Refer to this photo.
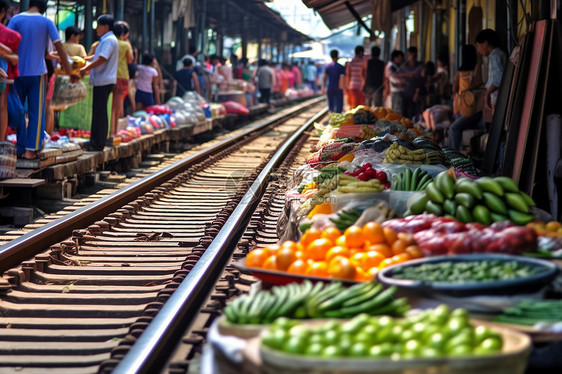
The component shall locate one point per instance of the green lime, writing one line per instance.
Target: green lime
(364, 337)
(299, 330)
(460, 313)
(455, 325)
(460, 350)
(376, 351)
(275, 338)
(437, 341)
(384, 335)
(359, 349)
(428, 352)
(460, 339)
(332, 351)
(407, 335)
(295, 345)
(362, 319)
(316, 338)
(492, 344)
(385, 321)
(345, 343)
(412, 346)
(369, 329)
(314, 349)
(481, 333)
(284, 323)
(352, 327)
(331, 337)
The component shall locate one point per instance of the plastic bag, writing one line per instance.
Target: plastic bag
(234, 107)
(66, 94)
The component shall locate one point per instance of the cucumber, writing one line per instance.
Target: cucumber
(350, 293)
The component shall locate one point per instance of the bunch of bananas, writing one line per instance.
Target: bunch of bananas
(398, 154)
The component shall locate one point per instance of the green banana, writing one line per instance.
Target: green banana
(445, 184)
(382, 299)
(494, 203)
(481, 214)
(463, 215)
(449, 206)
(419, 205)
(498, 217)
(520, 218)
(465, 199)
(507, 184)
(528, 199)
(516, 201)
(490, 185)
(434, 208)
(469, 186)
(434, 194)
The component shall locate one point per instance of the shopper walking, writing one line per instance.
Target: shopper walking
(334, 74)
(395, 83)
(103, 76)
(355, 78)
(374, 78)
(36, 31)
(310, 76)
(265, 81)
(411, 72)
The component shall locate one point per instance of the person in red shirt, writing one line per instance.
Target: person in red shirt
(9, 42)
(355, 76)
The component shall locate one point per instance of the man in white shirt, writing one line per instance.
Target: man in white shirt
(103, 76)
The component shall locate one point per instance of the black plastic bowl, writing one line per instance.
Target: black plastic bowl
(510, 287)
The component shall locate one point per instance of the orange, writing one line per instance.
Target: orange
(331, 233)
(299, 254)
(358, 259)
(383, 249)
(336, 251)
(362, 275)
(406, 238)
(309, 236)
(318, 249)
(373, 233)
(298, 267)
(372, 259)
(389, 235)
(354, 237)
(401, 258)
(318, 269)
(341, 241)
(341, 268)
(398, 247)
(256, 258)
(271, 249)
(386, 262)
(373, 272)
(290, 244)
(414, 251)
(270, 263)
(284, 258)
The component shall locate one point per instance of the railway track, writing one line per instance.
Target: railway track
(118, 263)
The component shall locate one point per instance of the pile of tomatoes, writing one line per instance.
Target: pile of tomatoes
(357, 254)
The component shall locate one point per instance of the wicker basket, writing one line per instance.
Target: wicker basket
(8, 160)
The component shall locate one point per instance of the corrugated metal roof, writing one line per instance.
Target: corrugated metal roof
(335, 13)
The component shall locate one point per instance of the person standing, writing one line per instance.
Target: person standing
(355, 76)
(72, 44)
(487, 44)
(147, 83)
(103, 76)
(374, 79)
(186, 79)
(266, 81)
(121, 88)
(35, 31)
(9, 42)
(411, 71)
(310, 73)
(395, 82)
(333, 74)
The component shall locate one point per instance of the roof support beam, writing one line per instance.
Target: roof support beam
(358, 18)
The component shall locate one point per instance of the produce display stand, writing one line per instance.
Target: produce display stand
(381, 220)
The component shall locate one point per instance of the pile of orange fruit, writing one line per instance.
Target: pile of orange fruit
(552, 228)
(357, 254)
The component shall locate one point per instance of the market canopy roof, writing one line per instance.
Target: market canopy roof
(336, 13)
(253, 17)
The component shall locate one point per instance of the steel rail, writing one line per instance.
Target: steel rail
(32, 243)
(152, 349)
